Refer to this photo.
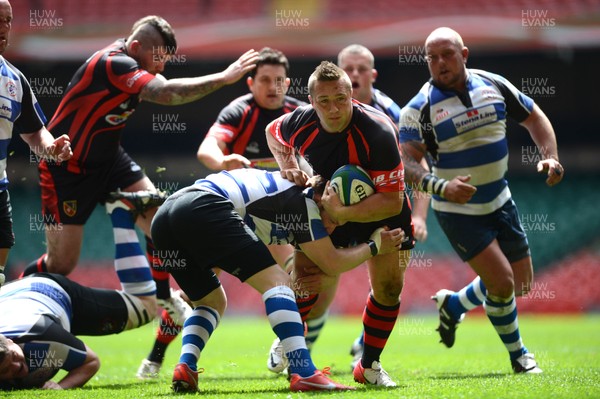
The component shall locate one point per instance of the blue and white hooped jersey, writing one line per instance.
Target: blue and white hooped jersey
(35, 312)
(385, 104)
(18, 106)
(277, 210)
(466, 135)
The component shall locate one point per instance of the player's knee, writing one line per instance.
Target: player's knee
(61, 264)
(524, 287)
(389, 294)
(140, 309)
(502, 287)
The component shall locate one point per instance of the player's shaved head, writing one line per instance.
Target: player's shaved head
(445, 34)
(356, 49)
(154, 31)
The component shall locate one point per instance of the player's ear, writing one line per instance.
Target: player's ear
(134, 48)
(374, 74)
(249, 82)
(310, 100)
(465, 54)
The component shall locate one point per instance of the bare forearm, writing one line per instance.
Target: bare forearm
(182, 90)
(374, 208)
(285, 156)
(79, 376)
(541, 131)
(412, 154)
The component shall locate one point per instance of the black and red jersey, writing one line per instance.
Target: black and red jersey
(242, 123)
(370, 141)
(100, 97)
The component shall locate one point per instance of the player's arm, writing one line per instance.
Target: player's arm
(378, 206)
(285, 156)
(78, 376)
(184, 90)
(420, 208)
(211, 154)
(44, 145)
(541, 131)
(456, 190)
(334, 261)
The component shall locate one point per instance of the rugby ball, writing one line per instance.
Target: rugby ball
(352, 183)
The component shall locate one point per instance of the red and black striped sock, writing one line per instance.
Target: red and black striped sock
(166, 333)
(305, 305)
(379, 321)
(160, 276)
(37, 266)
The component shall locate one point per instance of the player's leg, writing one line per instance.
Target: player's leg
(315, 321)
(7, 237)
(386, 273)
(98, 311)
(130, 188)
(500, 304)
(63, 246)
(280, 304)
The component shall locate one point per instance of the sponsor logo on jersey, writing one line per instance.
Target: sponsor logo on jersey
(474, 118)
(118, 119)
(253, 147)
(388, 177)
(5, 109)
(441, 114)
(131, 81)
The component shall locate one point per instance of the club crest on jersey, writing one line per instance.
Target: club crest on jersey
(70, 208)
(118, 119)
(11, 87)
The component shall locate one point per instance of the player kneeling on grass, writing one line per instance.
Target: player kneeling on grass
(40, 317)
(220, 222)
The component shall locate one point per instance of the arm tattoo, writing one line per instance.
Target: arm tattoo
(413, 171)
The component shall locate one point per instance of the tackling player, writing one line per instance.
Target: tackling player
(220, 221)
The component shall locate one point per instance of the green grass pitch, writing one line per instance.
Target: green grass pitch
(566, 347)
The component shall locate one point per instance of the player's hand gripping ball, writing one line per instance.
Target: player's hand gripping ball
(352, 183)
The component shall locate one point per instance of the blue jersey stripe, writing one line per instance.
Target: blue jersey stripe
(475, 156)
(4, 148)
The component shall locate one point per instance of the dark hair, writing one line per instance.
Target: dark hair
(269, 56)
(163, 28)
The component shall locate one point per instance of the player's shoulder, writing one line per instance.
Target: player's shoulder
(293, 103)
(420, 100)
(241, 102)
(489, 78)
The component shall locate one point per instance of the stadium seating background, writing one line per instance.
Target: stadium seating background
(561, 59)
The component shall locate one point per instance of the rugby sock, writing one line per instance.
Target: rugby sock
(166, 333)
(378, 321)
(467, 298)
(282, 311)
(313, 329)
(197, 329)
(305, 304)
(130, 263)
(502, 312)
(160, 276)
(37, 266)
